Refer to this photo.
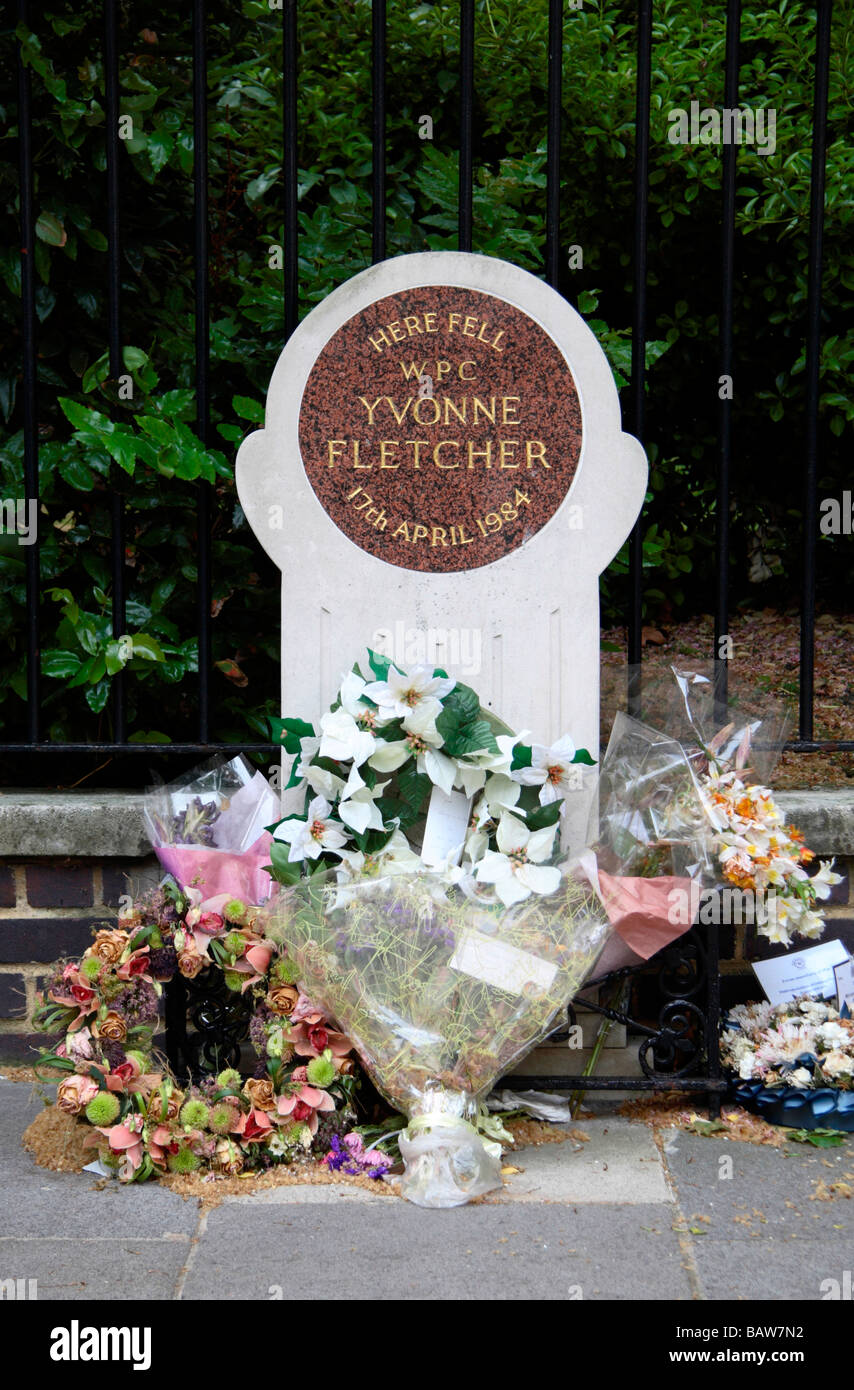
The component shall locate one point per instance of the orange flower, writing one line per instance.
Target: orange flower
(113, 1027)
(261, 1094)
(108, 946)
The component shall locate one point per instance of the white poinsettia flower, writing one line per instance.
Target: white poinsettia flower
(322, 782)
(402, 692)
(395, 857)
(552, 770)
(343, 740)
(389, 755)
(425, 741)
(355, 702)
(358, 807)
(310, 835)
(474, 769)
(517, 870)
(500, 793)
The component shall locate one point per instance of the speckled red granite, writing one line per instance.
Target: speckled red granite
(428, 517)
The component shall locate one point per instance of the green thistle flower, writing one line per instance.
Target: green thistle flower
(321, 1070)
(286, 970)
(195, 1114)
(233, 980)
(90, 968)
(234, 942)
(103, 1108)
(222, 1117)
(184, 1161)
(234, 911)
(135, 1055)
(230, 1079)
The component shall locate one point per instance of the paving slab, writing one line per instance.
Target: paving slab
(38, 1202)
(771, 1191)
(772, 1269)
(74, 1269)
(392, 1250)
(618, 1163)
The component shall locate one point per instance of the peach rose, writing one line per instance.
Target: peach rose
(282, 999)
(75, 1093)
(191, 963)
(108, 946)
(261, 1094)
(161, 1111)
(229, 1157)
(113, 1027)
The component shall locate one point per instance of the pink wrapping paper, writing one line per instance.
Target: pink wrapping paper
(218, 871)
(640, 908)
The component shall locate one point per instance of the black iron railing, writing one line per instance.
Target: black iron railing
(34, 743)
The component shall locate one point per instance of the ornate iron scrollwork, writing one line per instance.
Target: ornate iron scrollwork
(218, 1019)
(677, 1047)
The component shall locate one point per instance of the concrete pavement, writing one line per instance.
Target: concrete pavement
(617, 1218)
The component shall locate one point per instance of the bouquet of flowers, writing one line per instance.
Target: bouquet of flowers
(804, 1043)
(651, 839)
(440, 991)
(447, 953)
(755, 849)
(208, 830)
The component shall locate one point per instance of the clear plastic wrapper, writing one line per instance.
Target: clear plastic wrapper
(748, 734)
(208, 829)
(440, 993)
(651, 839)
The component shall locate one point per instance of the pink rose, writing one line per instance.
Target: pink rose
(74, 1094)
(210, 922)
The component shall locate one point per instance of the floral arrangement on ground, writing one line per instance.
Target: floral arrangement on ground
(300, 1104)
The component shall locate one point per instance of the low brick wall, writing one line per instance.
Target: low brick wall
(66, 858)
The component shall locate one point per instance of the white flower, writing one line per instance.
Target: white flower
(518, 870)
(832, 1035)
(800, 1077)
(824, 880)
(356, 702)
(343, 740)
(551, 770)
(357, 807)
(307, 837)
(402, 692)
(475, 767)
(837, 1064)
(395, 857)
(425, 741)
(501, 793)
(389, 755)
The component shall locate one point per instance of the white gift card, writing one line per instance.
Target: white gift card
(501, 965)
(802, 972)
(446, 827)
(844, 975)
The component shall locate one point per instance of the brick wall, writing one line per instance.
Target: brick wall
(48, 908)
(66, 859)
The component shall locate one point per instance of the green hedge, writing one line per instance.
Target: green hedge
(151, 443)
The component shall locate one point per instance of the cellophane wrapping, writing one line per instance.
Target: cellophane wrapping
(440, 994)
(208, 829)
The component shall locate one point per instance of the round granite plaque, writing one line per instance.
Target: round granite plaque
(440, 428)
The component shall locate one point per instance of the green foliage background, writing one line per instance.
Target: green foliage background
(150, 441)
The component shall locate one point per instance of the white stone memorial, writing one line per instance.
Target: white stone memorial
(442, 475)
